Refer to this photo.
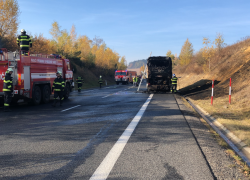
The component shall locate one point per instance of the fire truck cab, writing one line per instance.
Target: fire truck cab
(34, 75)
(121, 76)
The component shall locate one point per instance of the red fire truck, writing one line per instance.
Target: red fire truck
(34, 75)
(121, 76)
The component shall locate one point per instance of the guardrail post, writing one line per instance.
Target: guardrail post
(212, 95)
(230, 91)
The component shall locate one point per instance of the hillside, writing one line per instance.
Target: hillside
(90, 78)
(137, 64)
(232, 62)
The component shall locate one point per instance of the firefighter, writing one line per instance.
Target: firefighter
(174, 84)
(100, 81)
(134, 81)
(58, 88)
(137, 80)
(79, 82)
(8, 89)
(24, 42)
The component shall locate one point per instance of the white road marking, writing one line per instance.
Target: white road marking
(109, 161)
(70, 108)
(106, 96)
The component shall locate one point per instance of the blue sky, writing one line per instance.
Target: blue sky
(134, 28)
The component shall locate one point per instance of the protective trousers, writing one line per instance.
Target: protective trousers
(100, 85)
(60, 94)
(24, 50)
(173, 88)
(7, 100)
(79, 87)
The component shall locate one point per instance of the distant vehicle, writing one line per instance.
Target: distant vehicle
(121, 76)
(159, 71)
(34, 75)
(131, 75)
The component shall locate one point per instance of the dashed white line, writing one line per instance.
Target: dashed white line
(109, 161)
(70, 108)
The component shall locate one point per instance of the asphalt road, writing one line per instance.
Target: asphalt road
(108, 133)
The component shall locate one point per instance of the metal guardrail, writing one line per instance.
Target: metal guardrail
(228, 141)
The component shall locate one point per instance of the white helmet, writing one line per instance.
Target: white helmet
(23, 31)
(10, 69)
(100, 76)
(59, 72)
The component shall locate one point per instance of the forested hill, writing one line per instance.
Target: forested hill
(137, 64)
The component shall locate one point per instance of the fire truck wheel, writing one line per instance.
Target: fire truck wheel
(37, 95)
(67, 91)
(46, 94)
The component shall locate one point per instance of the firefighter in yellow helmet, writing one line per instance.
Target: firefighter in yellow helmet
(8, 89)
(58, 88)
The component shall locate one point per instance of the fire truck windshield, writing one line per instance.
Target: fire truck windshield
(120, 73)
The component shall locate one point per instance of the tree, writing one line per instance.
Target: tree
(55, 31)
(122, 63)
(207, 51)
(186, 53)
(42, 45)
(9, 12)
(142, 69)
(98, 41)
(219, 41)
(169, 54)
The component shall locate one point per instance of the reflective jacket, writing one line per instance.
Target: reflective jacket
(24, 40)
(100, 80)
(134, 79)
(8, 85)
(58, 84)
(79, 80)
(174, 80)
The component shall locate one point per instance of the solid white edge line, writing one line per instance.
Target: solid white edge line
(109, 161)
(70, 108)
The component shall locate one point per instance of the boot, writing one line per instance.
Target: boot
(61, 102)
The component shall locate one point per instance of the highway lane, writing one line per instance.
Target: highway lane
(71, 142)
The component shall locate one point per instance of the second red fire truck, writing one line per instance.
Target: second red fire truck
(124, 76)
(34, 75)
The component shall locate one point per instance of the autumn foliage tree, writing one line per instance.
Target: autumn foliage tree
(169, 54)
(89, 53)
(9, 12)
(186, 53)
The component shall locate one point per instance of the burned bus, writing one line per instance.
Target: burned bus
(159, 71)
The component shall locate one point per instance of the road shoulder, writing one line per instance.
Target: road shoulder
(221, 164)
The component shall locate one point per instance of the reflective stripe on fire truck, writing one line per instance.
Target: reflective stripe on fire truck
(43, 75)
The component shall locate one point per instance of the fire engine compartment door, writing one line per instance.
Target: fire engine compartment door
(60, 69)
(26, 73)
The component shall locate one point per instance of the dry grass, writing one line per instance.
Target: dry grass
(234, 117)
